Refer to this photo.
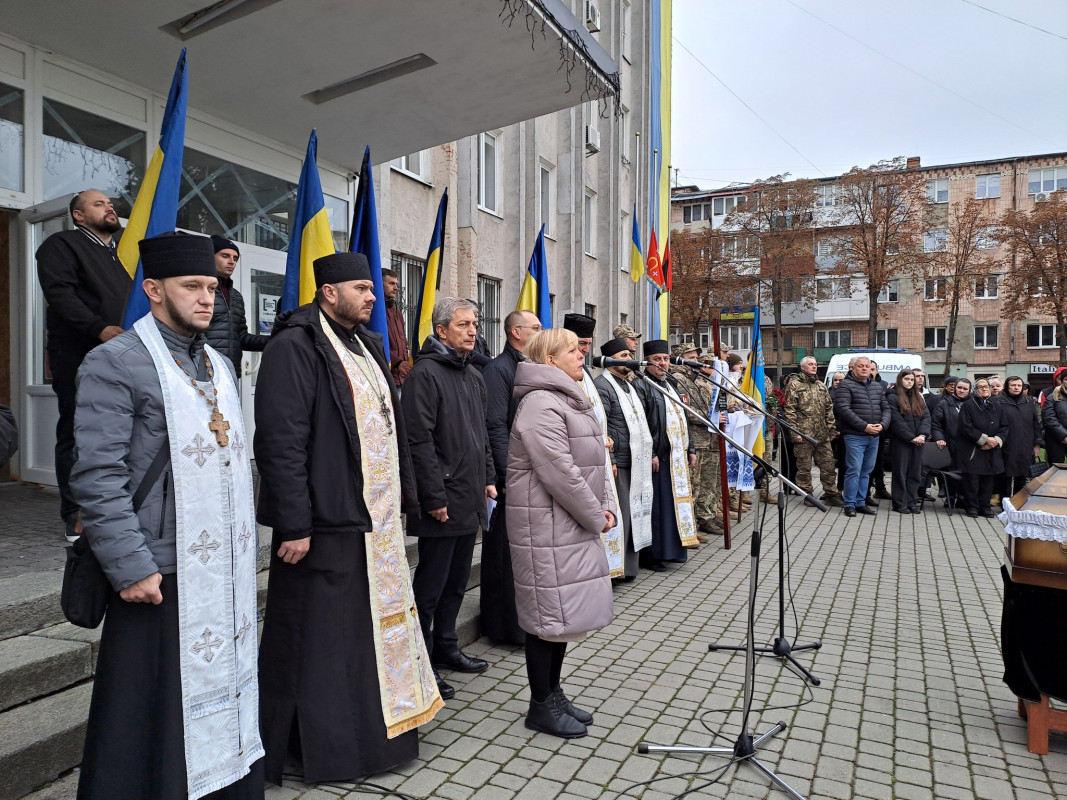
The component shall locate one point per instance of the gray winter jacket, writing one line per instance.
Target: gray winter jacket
(558, 492)
(119, 426)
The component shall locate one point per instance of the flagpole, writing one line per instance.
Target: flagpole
(637, 194)
(653, 185)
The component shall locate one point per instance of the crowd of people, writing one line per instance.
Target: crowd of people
(574, 483)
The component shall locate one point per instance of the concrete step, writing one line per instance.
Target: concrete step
(33, 666)
(40, 741)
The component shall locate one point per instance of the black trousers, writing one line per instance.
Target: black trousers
(976, 490)
(544, 666)
(907, 469)
(439, 585)
(64, 371)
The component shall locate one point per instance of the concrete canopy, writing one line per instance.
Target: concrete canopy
(399, 75)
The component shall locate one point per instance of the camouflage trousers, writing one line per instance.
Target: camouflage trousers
(706, 482)
(823, 457)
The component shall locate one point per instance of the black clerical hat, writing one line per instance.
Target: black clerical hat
(341, 267)
(580, 324)
(654, 347)
(174, 254)
(614, 347)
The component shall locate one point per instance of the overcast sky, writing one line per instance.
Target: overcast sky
(970, 84)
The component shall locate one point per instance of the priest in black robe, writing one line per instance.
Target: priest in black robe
(321, 706)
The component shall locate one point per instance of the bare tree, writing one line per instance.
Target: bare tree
(777, 223)
(707, 275)
(961, 258)
(879, 211)
(1037, 282)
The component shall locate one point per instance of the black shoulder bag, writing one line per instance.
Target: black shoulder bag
(86, 589)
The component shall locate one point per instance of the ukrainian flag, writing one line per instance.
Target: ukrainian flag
(156, 209)
(431, 278)
(637, 261)
(309, 235)
(752, 382)
(365, 240)
(534, 295)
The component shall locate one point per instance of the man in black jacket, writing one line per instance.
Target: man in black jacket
(444, 404)
(85, 286)
(228, 332)
(499, 620)
(327, 420)
(862, 413)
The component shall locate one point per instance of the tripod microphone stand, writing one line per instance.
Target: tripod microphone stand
(746, 746)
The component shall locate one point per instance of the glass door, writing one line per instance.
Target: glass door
(261, 275)
(40, 411)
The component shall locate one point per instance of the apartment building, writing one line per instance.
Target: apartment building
(912, 312)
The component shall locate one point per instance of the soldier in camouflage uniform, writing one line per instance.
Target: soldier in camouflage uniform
(808, 408)
(704, 478)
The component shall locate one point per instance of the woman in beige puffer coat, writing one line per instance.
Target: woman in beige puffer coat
(559, 502)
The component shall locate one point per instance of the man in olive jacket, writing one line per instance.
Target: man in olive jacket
(808, 409)
(444, 404)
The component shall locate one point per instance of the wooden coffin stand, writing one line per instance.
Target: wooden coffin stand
(1040, 563)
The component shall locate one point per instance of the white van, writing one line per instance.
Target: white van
(889, 362)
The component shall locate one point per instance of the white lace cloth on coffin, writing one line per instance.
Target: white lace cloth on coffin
(1033, 524)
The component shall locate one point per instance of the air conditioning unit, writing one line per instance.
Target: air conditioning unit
(1040, 197)
(592, 139)
(592, 16)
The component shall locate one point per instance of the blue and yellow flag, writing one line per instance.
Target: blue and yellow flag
(752, 382)
(431, 278)
(534, 294)
(309, 235)
(365, 240)
(156, 209)
(637, 261)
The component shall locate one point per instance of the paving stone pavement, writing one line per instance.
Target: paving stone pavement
(911, 705)
(31, 532)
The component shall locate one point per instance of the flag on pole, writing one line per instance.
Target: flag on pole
(637, 261)
(653, 265)
(156, 209)
(365, 240)
(309, 236)
(752, 382)
(534, 294)
(431, 278)
(668, 279)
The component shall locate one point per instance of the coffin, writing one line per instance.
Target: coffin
(1035, 519)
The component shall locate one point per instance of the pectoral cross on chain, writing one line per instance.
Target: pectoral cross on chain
(220, 426)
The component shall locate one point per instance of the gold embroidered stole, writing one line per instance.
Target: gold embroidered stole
(614, 539)
(678, 433)
(409, 694)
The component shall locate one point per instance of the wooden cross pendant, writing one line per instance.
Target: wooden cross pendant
(220, 426)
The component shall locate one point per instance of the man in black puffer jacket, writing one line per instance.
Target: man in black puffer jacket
(862, 413)
(444, 403)
(228, 332)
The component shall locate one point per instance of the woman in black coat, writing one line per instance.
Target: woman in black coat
(1054, 419)
(1025, 438)
(981, 435)
(909, 428)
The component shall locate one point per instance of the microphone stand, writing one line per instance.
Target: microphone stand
(781, 646)
(745, 748)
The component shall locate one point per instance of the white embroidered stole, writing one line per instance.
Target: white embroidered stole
(216, 566)
(409, 694)
(640, 466)
(678, 433)
(614, 540)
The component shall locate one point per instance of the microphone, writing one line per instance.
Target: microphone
(682, 362)
(604, 362)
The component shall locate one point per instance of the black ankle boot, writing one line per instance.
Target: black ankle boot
(549, 717)
(583, 717)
